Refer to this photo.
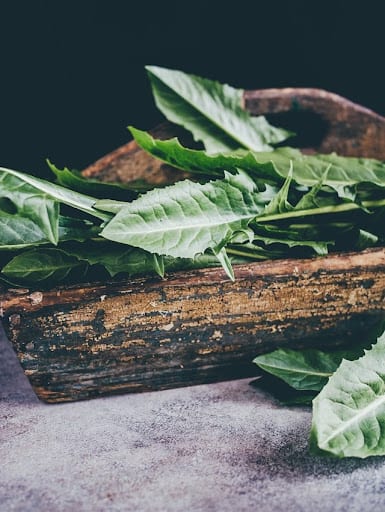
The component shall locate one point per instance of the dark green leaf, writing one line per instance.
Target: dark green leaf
(40, 265)
(75, 181)
(307, 369)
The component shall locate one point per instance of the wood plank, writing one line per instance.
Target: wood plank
(82, 341)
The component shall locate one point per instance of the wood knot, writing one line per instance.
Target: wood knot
(35, 298)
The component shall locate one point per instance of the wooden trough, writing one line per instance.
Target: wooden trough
(77, 342)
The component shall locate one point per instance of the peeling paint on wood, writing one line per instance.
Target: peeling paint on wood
(153, 333)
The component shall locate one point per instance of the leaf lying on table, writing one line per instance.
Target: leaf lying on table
(349, 412)
(211, 111)
(307, 369)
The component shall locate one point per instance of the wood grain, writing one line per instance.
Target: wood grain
(83, 341)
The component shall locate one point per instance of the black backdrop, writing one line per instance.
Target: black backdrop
(72, 72)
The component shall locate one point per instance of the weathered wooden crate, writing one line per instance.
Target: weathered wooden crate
(77, 342)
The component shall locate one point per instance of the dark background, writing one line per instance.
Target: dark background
(72, 73)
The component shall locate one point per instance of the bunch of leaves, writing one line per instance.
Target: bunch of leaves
(346, 388)
(248, 198)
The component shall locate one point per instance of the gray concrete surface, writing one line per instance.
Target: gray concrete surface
(218, 447)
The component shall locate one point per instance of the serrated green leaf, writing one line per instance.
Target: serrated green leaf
(212, 112)
(342, 173)
(187, 218)
(201, 162)
(349, 412)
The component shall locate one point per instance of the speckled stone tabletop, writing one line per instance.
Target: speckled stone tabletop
(218, 447)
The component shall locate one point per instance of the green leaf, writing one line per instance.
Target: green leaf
(121, 259)
(54, 192)
(17, 232)
(211, 111)
(224, 260)
(80, 230)
(307, 369)
(187, 218)
(75, 181)
(280, 203)
(29, 203)
(39, 265)
(338, 172)
(349, 412)
(270, 234)
(110, 205)
(200, 162)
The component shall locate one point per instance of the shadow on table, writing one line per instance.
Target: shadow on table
(14, 385)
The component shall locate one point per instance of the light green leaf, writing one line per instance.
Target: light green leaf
(17, 232)
(280, 203)
(211, 111)
(30, 203)
(110, 205)
(339, 172)
(349, 412)
(187, 218)
(224, 260)
(57, 193)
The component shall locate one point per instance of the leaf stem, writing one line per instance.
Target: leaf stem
(345, 207)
